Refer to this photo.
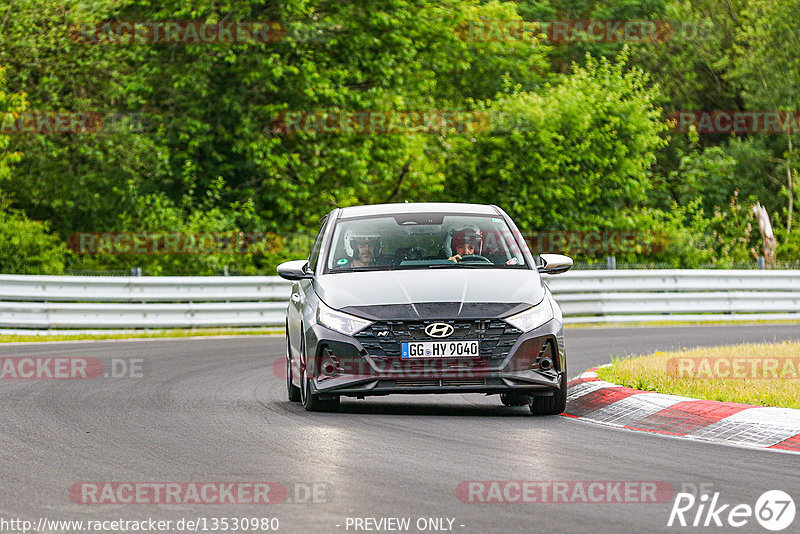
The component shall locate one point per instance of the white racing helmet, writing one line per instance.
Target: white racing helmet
(352, 236)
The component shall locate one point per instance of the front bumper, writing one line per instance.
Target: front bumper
(348, 366)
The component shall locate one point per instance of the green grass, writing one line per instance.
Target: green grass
(694, 373)
(182, 332)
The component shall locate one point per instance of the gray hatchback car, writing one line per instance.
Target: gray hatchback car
(424, 298)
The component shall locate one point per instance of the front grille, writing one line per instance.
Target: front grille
(382, 339)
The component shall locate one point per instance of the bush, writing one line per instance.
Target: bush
(569, 157)
(28, 247)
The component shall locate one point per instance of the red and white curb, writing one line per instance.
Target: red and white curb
(595, 400)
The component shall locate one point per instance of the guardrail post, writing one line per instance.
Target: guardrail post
(136, 271)
(611, 262)
(762, 264)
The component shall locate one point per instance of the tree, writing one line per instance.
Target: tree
(570, 157)
(11, 104)
(26, 247)
(768, 69)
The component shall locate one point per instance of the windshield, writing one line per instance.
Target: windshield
(423, 241)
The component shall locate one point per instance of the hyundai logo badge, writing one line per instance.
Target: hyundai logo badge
(439, 330)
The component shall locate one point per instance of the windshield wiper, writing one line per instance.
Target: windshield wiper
(454, 264)
(363, 269)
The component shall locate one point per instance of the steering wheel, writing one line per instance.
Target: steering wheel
(415, 253)
(475, 258)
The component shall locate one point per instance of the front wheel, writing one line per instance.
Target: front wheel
(554, 404)
(312, 402)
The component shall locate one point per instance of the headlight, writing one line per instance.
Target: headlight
(533, 317)
(341, 322)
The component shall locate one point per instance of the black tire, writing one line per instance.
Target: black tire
(292, 391)
(312, 402)
(554, 404)
(515, 399)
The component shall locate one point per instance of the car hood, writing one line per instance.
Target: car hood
(432, 293)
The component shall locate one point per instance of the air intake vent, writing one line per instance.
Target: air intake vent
(451, 382)
(416, 383)
(464, 382)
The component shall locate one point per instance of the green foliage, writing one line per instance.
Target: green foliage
(566, 52)
(10, 105)
(767, 63)
(705, 173)
(157, 214)
(569, 157)
(73, 180)
(688, 238)
(766, 68)
(578, 139)
(27, 247)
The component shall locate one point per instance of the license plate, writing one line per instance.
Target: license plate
(439, 349)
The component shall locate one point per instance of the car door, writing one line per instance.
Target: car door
(301, 290)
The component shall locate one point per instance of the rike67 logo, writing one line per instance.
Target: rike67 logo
(774, 510)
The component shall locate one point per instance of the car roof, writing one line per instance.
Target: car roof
(417, 207)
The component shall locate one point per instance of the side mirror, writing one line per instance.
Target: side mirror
(294, 270)
(554, 264)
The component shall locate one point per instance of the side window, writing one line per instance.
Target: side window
(314, 256)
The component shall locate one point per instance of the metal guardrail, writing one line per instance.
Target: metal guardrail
(143, 288)
(676, 295)
(76, 302)
(61, 302)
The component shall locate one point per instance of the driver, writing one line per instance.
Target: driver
(463, 242)
(363, 249)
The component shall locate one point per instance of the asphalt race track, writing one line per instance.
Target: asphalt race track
(214, 410)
